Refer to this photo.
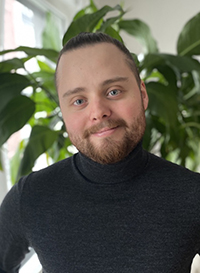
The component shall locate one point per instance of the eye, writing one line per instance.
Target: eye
(79, 102)
(114, 92)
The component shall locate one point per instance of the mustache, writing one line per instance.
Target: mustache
(105, 124)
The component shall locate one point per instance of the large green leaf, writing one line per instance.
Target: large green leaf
(163, 103)
(31, 51)
(15, 161)
(86, 10)
(189, 38)
(43, 103)
(44, 76)
(45, 67)
(182, 63)
(113, 33)
(14, 116)
(41, 139)
(59, 150)
(190, 89)
(110, 21)
(12, 64)
(141, 32)
(11, 85)
(87, 22)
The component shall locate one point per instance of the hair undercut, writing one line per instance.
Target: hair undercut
(88, 38)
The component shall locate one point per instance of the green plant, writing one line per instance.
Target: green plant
(172, 81)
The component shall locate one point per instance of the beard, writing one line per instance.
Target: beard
(108, 150)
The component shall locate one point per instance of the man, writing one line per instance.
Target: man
(112, 207)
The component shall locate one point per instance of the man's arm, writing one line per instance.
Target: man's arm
(13, 242)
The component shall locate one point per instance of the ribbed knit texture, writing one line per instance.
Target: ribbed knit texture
(141, 215)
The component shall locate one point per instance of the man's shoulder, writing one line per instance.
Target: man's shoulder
(164, 166)
(50, 176)
(56, 168)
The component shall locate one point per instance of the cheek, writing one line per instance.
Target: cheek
(74, 124)
(131, 113)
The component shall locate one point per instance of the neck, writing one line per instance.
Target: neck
(118, 172)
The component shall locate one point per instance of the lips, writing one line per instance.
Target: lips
(105, 132)
(106, 127)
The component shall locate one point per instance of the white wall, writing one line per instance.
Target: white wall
(5, 182)
(165, 19)
(2, 4)
(3, 186)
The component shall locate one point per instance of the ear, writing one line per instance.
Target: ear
(144, 95)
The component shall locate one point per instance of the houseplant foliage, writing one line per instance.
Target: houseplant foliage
(172, 81)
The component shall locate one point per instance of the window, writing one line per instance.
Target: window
(25, 21)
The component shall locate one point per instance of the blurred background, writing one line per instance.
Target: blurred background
(22, 23)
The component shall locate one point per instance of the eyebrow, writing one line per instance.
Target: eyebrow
(74, 91)
(114, 80)
(78, 90)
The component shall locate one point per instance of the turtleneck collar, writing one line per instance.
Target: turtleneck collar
(119, 172)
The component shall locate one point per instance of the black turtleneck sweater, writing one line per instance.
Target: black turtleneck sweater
(141, 215)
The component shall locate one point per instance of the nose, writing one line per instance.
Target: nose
(100, 110)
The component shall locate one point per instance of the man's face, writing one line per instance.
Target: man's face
(102, 105)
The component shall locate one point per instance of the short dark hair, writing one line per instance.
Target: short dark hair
(89, 38)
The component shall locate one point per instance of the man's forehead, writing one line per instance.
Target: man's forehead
(96, 56)
(101, 57)
(101, 48)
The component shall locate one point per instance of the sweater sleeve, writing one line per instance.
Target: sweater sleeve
(13, 242)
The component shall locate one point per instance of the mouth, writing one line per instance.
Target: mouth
(105, 131)
(105, 128)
